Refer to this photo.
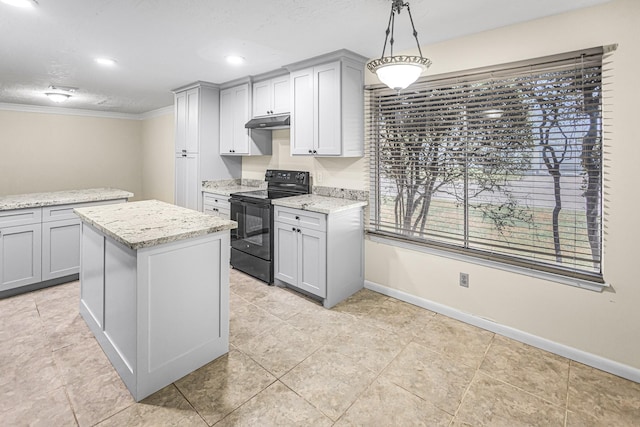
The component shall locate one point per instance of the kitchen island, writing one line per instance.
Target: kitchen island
(155, 289)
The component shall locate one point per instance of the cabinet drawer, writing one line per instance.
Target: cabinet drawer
(215, 200)
(219, 212)
(20, 217)
(311, 220)
(60, 212)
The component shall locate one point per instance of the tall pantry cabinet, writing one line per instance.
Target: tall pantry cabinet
(197, 143)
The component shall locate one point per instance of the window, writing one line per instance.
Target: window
(503, 163)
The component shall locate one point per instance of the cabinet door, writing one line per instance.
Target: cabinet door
(327, 124)
(187, 187)
(262, 98)
(241, 115)
(60, 248)
(20, 256)
(226, 121)
(192, 131)
(302, 112)
(312, 262)
(280, 96)
(181, 121)
(285, 253)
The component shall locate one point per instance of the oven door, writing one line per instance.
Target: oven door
(253, 235)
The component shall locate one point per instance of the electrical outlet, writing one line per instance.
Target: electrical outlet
(464, 280)
(318, 177)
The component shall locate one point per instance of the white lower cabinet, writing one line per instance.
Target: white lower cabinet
(301, 258)
(19, 256)
(40, 245)
(320, 254)
(216, 205)
(187, 182)
(60, 248)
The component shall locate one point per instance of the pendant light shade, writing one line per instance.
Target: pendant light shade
(398, 72)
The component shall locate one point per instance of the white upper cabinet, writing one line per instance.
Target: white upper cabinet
(186, 109)
(327, 106)
(235, 112)
(271, 97)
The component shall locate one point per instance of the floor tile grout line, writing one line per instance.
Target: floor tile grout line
(475, 374)
(189, 402)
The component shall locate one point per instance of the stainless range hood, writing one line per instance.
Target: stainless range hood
(269, 122)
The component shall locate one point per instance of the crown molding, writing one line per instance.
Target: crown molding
(24, 108)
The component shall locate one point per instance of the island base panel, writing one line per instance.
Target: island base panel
(166, 308)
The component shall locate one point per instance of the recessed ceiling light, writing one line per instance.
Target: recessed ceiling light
(235, 59)
(110, 62)
(20, 3)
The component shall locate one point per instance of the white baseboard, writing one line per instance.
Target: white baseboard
(598, 362)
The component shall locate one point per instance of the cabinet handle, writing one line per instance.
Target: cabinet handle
(315, 152)
(298, 230)
(297, 217)
(310, 152)
(184, 151)
(293, 229)
(184, 155)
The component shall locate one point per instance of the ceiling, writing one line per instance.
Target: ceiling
(160, 45)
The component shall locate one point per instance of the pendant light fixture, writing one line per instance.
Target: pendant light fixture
(400, 71)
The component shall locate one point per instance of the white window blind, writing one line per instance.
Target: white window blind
(503, 163)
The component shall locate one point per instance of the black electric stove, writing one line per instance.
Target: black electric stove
(252, 241)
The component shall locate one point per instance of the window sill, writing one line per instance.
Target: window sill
(565, 280)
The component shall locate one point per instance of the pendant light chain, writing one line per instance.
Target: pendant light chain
(398, 72)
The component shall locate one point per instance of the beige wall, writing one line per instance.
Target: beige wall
(158, 163)
(605, 324)
(50, 152)
(330, 172)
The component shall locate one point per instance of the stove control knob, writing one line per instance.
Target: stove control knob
(300, 177)
(269, 174)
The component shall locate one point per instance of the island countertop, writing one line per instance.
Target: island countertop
(56, 198)
(151, 222)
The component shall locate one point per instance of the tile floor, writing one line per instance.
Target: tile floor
(371, 361)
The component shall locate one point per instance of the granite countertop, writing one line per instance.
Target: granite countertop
(230, 186)
(56, 198)
(151, 222)
(227, 190)
(321, 204)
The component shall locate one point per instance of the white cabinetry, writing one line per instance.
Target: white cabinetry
(235, 112)
(60, 241)
(216, 205)
(40, 246)
(159, 312)
(318, 253)
(271, 97)
(20, 243)
(197, 143)
(300, 244)
(327, 106)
